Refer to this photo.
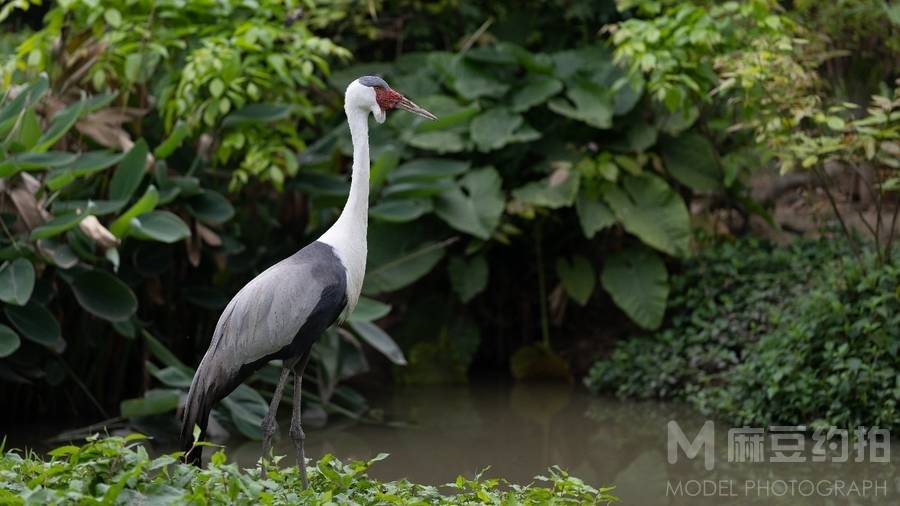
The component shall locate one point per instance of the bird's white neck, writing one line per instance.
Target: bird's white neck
(348, 234)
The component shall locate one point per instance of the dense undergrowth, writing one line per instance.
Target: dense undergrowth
(760, 334)
(117, 470)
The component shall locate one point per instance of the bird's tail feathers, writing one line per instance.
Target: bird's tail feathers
(196, 414)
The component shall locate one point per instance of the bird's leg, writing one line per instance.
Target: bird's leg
(297, 433)
(268, 423)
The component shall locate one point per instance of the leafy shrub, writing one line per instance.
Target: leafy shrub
(726, 297)
(765, 335)
(831, 360)
(199, 62)
(117, 470)
(95, 193)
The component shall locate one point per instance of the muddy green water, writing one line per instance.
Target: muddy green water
(521, 429)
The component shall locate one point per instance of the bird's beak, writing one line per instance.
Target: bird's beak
(408, 105)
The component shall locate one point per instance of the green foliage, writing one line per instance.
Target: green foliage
(119, 470)
(499, 103)
(831, 360)
(765, 335)
(722, 302)
(209, 64)
(638, 282)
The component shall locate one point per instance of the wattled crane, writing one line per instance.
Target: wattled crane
(283, 311)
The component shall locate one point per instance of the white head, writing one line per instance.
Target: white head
(372, 94)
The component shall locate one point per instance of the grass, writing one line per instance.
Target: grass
(118, 470)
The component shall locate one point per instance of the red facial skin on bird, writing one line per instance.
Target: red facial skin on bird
(387, 98)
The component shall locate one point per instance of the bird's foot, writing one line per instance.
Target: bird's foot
(299, 438)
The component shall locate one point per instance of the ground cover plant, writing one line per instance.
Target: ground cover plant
(762, 335)
(118, 470)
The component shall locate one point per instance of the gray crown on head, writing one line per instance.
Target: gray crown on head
(372, 81)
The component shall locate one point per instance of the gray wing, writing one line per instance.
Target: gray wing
(280, 313)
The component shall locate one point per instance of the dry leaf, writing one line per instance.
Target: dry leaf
(92, 227)
(29, 210)
(559, 176)
(208, 236)
(192, 244)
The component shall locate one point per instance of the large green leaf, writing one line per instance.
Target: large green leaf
(414, 189)
(691, 159)
(36, 324)
(379, 340)
(247, 409)
(367, 310)
(162, 226)
(555, 191)
(104, 295)
(144, 205)
(627, 94)
(468, 277)
(10, 111)
(35, 161)
(16, 282)
(172, 142)
(170, 376)
(648, 208)
(475, 205)
(637, 281)
(590, 103)
(593, 214)
(537, 91)
(154, 402)
(429, 168)
(471, 81)
(9, 341)
(400, 211)
(440, 141)
(494, 128)
(59, 125)
(57, 225)
(257, 113)
(85, 165)
(577, 276)
(95, 207)
(211, 207)
(447, 121)
(60, 253)
(399, 254)
(128, 176)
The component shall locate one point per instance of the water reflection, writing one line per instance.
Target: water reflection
(521, 429)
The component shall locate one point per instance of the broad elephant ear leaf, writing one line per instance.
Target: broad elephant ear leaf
(399, 254)
(555, 191)
(691, 159)
(637, 281)
(468, 277)
(650, 209)
(475, 205)
(578, 277)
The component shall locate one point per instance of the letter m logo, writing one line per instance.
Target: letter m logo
(705, 440)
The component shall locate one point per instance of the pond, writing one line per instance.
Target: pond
(519, 429)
